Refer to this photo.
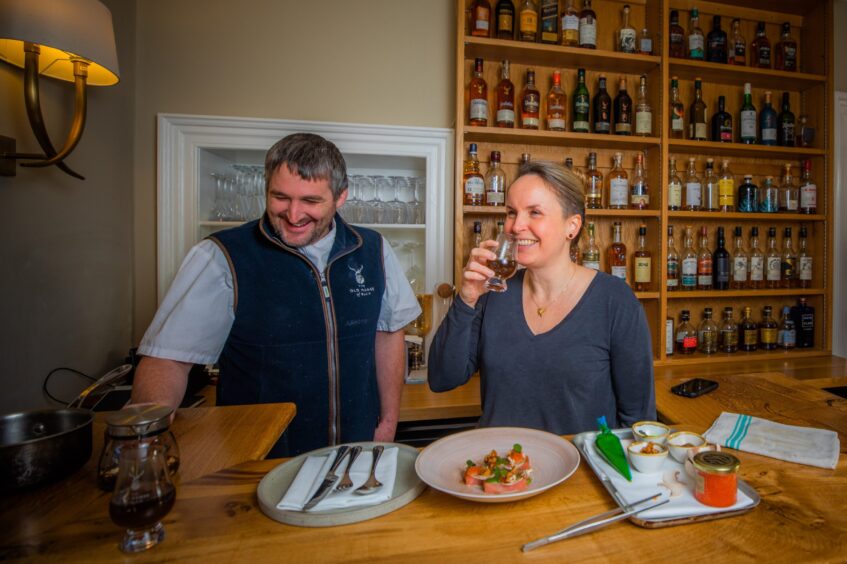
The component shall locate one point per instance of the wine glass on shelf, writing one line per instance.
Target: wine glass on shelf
(505, 264)
(219, 212)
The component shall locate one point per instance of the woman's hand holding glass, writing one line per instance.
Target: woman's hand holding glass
(488, 268)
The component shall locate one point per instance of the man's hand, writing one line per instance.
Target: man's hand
(385, 431)
(390, 350)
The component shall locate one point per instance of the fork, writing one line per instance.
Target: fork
(372, 484)
(346, 483)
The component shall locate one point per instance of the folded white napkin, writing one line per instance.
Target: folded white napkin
(804, 445)
(314, 468)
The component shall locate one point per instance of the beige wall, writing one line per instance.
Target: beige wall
(365, 61)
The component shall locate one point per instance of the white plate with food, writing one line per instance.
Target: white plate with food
(544, 460)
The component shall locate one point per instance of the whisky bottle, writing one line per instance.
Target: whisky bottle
(726, 188)
(639, 193)
(768, 330)
(696, 41)
(789, 194)
(602, 108)
(761, 48)
(748, 117)
(697, 114)
(478, 90)
(593, 184)
(505, 99)
(581, 104)
(550, 21)
(672, 263)
(693, 188)
(645, 42)
(710, 187)
(643, 262)
(808, 190)
(474, 183)
(643, 111)
(618, 185)
(748, 195)
(623, 110)
(530, 102)
(769, 197)
(674, 187)
(556, 103)
(481, 18)
(525, 158)
(785, 123)
(677, 111)
(773, 261)
(786, 50)
(495, 182)
(689, 262)
(677, 37)
(757, 261)
(721, 264)
(616, 254)
(786, 336)
(570, 25)
(505, 11)
(788, 264)
(587, 26)
(591, 254)
(569, 165)
(748, 333)
(728, 337)
(477, 234)
(704, 262)
(768, 122)
(707, 333)
(738, 45)
(686, 334)
(528, 27)
(804, 322)
(626, 34)
(804, 261)
(740, 262)
(722, 123)
(716, 43)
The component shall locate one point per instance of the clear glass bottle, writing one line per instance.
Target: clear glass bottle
(768, 330)
(495, 182)
(748, 195)
(740, 262)
(602, 108)
(556, 104)
(693, 188)
(672, 263)
(726, 188)
(789, 194)
(623, 110)
(707, 333)
(748, 117)
(505, 99)
(808, 190)
(639, 193)
(570, 25)
(738, 45)
(761, 48)
(728, 339)
(804, 261)
(769, 196)
(591, 253)
(704, 262)
(768, 122)
(642, 257)
(616, 254)
(477, 235)
(773, 261)
(677, 111)
(786, 337)
(587, 26)
(581, 104)
(528, 27)
(804, 322)
(786, 50)
(643, 110)
(785, 123)
(697, 123)
(711, 187)
(677, 37)
(626, 34)
(474, 182)
(788, 264)
(593, 184)
(757, 261)
(688, 280)
(721, 263)
(674, 187)
(716, 43)
(618, 185)
(530, 102)
(696, 40)
(686, 334)
(645, 42)
(478, 90)
(748, 332)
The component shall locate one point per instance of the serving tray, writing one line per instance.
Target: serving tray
(585, 441)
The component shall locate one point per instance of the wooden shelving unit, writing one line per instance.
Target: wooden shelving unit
(810, 92)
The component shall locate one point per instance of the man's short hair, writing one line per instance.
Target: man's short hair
(309, 156)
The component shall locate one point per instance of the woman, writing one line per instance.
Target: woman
(564, 344)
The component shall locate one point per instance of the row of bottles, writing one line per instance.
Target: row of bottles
(740, 269)
(617, 263)
(718, 47)
(796, 328)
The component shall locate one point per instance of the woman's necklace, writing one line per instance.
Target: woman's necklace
(541, 310)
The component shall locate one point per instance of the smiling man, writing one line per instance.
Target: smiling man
(297, 306)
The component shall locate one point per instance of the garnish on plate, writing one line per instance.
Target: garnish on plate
(498, 475)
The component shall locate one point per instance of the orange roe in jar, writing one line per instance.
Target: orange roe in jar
(716, 478)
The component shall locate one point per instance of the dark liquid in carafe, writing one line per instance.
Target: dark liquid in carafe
(144, 513)
(503, 268)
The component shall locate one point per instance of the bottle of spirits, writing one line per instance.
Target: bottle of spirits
(550, 21)
(748, 117)
(738, 45)
(711, 187)
(786, 50)
(805, 133)
(478, 90)
(645, 43)
(722, 123)
(591, 254)
(689, 262)
(768, 330)
(757, 261)
(773, 260)
(569, 164)
(677, 111)
(696, 40)
(707, 333)
(704, 262)
(587, 26)
(786, 337)
(674, 187)
(788, 264)
(769, 202)
(528, 27)
(593, 184)
(530, 102)
(616, 254)
(748, 195)
(693, 188)
(556, 104)
(804, 322)
(505, 99)
(602, 108)
(686, 335)
(639, 193)
(677, 37)
(477, 234)
(570, 25)
(716, 43)
(789, 194)
(618, 185)
(804, 261)
(697, 128)
(505, 11)
(748, 333)
(525, 158)
(726, 188)
(785, 123)
(672, 264)
(768, 122)
(740, 262)
(721, 264)
(643, 262)
(808, 190)
(623, 110)
(626, 34)
(581, 104)
(761, 47)
(474, 183)
(643, 111)
(495, 182)
(728, 339)
(481, 18)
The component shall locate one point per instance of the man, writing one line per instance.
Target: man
(297, 306)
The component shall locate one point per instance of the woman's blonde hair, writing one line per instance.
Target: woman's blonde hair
(565, 185)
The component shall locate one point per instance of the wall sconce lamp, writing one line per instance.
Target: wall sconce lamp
(71, 40)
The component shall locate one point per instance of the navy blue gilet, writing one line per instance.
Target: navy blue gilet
(293, 341)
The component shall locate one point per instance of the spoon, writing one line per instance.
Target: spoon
(372, 484)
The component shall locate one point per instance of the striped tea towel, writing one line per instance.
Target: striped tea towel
(804, 445)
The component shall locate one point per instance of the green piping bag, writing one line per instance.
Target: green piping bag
(609, 446)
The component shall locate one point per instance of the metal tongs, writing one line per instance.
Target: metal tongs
(597, 522)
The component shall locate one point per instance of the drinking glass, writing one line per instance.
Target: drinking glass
(505, 265)
(144, 494)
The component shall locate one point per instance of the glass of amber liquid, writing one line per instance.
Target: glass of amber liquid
(505, 265)
(144, 494)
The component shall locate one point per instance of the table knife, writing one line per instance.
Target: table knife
(329, 480)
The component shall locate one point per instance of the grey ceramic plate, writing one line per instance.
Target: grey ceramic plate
(273, 486)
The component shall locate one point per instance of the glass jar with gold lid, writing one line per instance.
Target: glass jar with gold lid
(716, 478)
